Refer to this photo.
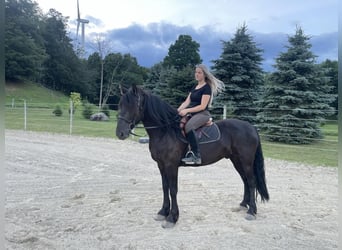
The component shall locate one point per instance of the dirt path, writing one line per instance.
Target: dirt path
(69, 192)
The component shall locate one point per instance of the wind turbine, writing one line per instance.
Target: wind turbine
(83, 22)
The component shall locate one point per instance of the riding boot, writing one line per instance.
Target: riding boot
(192, 157)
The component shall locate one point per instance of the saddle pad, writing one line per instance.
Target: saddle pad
(208, 134)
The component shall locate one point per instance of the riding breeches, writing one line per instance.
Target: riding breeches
(197, 121)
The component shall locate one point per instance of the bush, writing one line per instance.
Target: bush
(105, 110)
(87, 111)
(57, 111)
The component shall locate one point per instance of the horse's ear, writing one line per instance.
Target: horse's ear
(134, 89)
(123, 89)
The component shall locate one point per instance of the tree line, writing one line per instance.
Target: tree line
(289, 104)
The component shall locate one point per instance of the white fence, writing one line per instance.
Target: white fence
(24, 115)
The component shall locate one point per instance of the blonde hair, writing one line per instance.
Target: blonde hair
(215, 84)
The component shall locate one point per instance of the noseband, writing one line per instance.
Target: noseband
(131, 124)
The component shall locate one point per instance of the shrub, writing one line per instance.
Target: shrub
(57, 111)
(105, 110)
(87, 111)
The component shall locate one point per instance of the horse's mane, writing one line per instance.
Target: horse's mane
(160, 112)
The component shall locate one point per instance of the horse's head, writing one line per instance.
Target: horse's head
(130, 111)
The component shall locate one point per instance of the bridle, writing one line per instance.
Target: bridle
(132, 124)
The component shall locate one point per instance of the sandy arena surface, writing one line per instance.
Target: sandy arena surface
(70, 192)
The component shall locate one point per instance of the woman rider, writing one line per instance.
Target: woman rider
(196, 105)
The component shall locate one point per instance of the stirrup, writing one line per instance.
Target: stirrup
(191, 159)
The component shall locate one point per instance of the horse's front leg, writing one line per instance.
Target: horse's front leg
(172, 179)
(165, 210)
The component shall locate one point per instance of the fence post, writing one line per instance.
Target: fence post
(224, 111)
(71, 114)
(25, 115)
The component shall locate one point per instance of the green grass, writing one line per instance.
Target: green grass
(41, 103)
(314, 154)
(323, 152)
(331, 129)
(35, 95)
(42, 119)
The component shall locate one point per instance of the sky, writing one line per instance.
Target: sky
(148, 27)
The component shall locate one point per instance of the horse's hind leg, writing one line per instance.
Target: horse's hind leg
(252, 209)
(246, 195)
(249, 184)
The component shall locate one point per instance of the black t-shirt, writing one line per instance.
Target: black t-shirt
(196, 95)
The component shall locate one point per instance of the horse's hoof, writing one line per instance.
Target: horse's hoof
(167, 224)
(240, 208)
(250, 217)
(159, 217)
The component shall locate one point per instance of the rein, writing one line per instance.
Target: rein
(132, 125)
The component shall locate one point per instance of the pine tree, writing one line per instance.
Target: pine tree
(180, 84)
(239, 67)
(153, 77)
(157, 81)
(297, 96)
(330, 69)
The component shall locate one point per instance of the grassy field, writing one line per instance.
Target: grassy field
(41, 102)
(35, 95)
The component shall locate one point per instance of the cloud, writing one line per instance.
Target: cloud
(325, 46)
(150, 44)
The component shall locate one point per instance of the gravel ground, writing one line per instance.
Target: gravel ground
(70, 192)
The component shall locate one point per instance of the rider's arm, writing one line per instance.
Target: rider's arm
(185, 103)
(204, 103)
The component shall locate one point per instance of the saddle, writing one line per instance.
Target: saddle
(207, 133)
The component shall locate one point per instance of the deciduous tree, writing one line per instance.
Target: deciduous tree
(183, 53)
(24, 44)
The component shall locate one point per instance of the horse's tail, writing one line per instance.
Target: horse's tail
(259, 171)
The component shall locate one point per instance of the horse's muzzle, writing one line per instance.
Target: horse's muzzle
(121, 135)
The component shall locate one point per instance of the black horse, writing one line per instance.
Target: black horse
(239, 142)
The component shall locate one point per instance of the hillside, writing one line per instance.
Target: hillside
(34, 94)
